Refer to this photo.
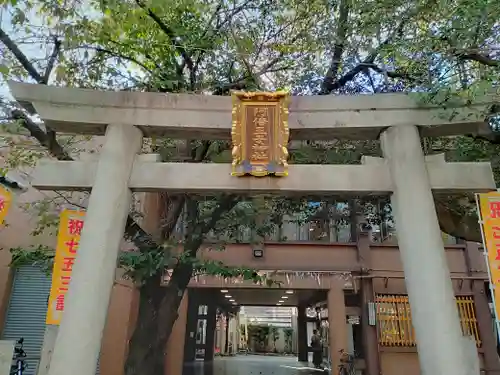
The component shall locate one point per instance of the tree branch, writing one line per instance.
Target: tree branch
(45, 139)
(133, 231)
(169, 32)
(48, 138)
(218, 26)
(20, 56)
(52, 60)
(172, 207)
(338, 48)
(225, 205)
(350, 75)
(457, 224)
(10, 184)
(392, 74)
(120, 56)
(241, 82)
(482, 59)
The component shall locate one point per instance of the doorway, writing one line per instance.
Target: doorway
(199, 344)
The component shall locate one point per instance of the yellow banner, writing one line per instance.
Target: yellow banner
(489, 205)
(5, 202)
(68, 238)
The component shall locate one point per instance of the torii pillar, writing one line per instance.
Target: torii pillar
(441, 345)
(78, 342)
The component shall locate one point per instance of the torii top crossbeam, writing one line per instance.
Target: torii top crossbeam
(187, 116)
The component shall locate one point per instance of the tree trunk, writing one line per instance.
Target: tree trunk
(159, 304)
(158, 311)
(456, 222)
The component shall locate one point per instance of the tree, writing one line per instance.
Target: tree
(275, 335)
(288, 332)
(259, 335)
(318, 47)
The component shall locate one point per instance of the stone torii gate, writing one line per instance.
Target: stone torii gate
(125, 118)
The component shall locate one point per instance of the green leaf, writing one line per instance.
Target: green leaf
(4, 70)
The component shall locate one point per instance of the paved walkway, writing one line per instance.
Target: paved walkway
(252, 365)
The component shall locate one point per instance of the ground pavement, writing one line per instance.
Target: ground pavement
(252, 365)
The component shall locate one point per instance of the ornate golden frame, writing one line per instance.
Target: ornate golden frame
(278, 161)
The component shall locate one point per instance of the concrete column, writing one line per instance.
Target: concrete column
(49, 340)
(223, 342)
(434, 311)
(174, 358)
(302, 344)
(229, 333)
(232, 335)
(368, 332)
(6, 277)
(121, 316)
(210, 339)
(237, 341)
(337, 321)
(474, 259)
(218, 335)
(6, 354)
(234, 331)
(486, 329)
(237, 334)
(79, 339)
(294, 348)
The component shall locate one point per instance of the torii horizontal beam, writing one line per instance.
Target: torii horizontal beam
(187, 116)
(372, 178)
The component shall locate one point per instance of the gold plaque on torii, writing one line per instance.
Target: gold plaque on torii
(260, 133)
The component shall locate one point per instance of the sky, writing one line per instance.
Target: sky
(32, 51)
(5, 24)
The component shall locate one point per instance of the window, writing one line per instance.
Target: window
(394, 320)
(202, 310)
